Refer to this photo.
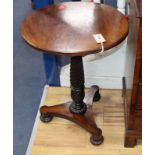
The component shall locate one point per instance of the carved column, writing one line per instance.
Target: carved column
(77, 86)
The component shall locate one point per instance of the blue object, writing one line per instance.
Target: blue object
(52, 69)
(51, 62)
(41, 3)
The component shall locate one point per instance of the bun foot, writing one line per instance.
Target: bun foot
(46, 117)
(97, 139)
(97, 95)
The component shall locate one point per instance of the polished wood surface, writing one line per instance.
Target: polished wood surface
(63, 137)
(85, 120)
(68, 28)
(133, 77)
(79, 110)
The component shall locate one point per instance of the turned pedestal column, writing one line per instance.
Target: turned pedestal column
(79, 110)
(67, 29)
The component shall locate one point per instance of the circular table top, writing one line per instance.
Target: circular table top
(68, 28)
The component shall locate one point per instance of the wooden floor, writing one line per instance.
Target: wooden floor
(62, 137)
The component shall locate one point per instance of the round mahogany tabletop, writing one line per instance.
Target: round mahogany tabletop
(68, 28)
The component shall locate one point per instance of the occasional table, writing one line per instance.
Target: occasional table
(67, 29)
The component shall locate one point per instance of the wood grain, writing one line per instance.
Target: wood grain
(133, 76)
(69, 31)
(62, 137)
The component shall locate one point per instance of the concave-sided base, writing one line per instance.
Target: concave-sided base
(85, 120)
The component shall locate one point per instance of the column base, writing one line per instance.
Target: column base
(85, 120)
(77, 110)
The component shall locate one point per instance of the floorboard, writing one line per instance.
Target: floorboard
(62, 137)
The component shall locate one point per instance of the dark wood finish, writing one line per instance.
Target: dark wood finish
(69, 31)
(77, 86)
(85, 120)
(79, 110)
(132, 82)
